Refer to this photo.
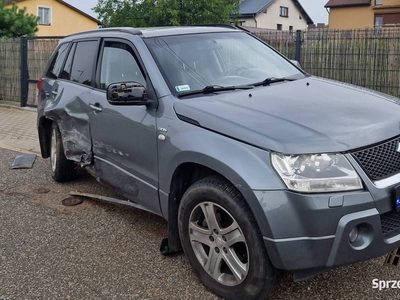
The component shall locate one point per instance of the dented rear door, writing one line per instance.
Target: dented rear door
(68, 100)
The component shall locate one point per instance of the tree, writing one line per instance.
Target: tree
(15, 22)
(116, 13)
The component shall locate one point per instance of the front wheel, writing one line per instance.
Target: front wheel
(62, 168)
(223, 243)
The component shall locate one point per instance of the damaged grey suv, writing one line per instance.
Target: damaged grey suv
(257, 166)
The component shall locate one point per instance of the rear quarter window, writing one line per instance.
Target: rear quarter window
(57, 61)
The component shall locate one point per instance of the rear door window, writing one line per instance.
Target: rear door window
(58, 61)
(82, 66)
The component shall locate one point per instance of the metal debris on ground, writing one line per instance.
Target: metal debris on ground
(111, 200)
(72, 201)
(393, 257)
(23, 161)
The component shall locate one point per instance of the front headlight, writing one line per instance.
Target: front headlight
(314, 173)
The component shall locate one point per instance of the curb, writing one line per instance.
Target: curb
(15, 149)
(11, 106)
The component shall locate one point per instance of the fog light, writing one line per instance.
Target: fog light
(353, 234)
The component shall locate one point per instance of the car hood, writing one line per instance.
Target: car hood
(310, 115)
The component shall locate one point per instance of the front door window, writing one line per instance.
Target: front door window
(119, 65)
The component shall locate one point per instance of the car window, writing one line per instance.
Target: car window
(119, 64)
(192, 62)
(57, 62)
(66, 73)
(82, 66)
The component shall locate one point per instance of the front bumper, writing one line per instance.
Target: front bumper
(311, 232)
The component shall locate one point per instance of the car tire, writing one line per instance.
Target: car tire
(225, 249)
(63, 169)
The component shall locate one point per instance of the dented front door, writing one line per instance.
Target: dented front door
(125, 149)
(124, 137)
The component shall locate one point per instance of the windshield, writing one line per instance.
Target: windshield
(192, 62)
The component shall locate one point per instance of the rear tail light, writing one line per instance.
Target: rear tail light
(38, 88)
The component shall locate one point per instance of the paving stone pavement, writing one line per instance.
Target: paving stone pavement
(18, 129)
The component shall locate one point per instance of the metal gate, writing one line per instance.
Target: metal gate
(35, 53)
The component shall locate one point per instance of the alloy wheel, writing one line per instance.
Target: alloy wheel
(219, 243)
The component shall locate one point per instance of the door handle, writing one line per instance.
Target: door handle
(97, 107)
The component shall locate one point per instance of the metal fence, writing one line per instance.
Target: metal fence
(369, 58)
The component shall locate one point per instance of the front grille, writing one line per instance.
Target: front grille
(390, 222)
(380, 161)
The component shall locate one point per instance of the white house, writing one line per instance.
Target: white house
(273, 14)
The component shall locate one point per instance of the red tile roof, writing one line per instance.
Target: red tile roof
(342, 3)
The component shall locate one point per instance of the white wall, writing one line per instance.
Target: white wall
(271, 17)
(247, 22)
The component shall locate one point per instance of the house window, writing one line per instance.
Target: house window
(378, 21)
(279, 26)
(290, 29)
(378, 2)
(44, 13)
(284, 12)
(389, 19)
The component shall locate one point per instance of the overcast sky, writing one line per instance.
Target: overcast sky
(315, 8)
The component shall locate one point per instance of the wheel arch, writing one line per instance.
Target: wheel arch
(44, 132)
(188, 172)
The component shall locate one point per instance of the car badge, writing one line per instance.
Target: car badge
(398, 147)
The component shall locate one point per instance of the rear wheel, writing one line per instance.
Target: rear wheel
(222, 241)
(62, 168)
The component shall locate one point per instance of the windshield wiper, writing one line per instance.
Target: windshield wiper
(270, 80)
(216, 88)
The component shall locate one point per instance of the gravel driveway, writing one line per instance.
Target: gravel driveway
(103, 251)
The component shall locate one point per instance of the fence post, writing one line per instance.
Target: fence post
(298, 46)
(24, 71)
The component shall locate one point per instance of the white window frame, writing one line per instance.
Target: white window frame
(40, 22)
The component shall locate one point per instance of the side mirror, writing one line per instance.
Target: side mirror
(127, 93)
(296, 63)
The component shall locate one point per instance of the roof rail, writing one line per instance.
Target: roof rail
(111, 29)
(216, 25)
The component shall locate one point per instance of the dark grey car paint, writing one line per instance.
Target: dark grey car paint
(119, 133)
(69, 107)
(237, 130)
(310, 115)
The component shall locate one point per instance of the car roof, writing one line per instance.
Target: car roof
(155, 31)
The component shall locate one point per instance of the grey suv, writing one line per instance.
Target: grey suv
(257, 166)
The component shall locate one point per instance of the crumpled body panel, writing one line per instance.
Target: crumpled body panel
(69, 108)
